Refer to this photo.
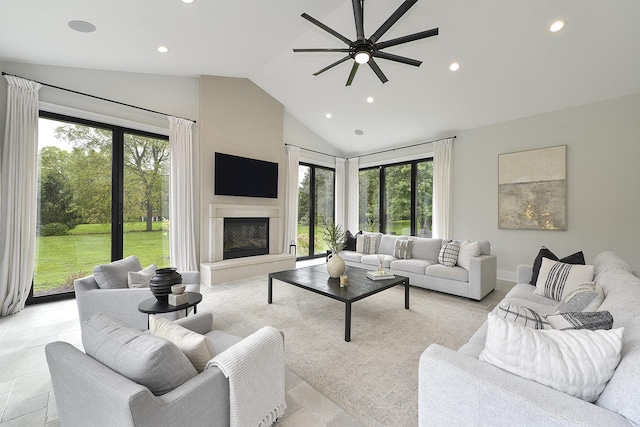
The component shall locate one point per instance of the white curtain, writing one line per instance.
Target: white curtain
(291, 198)
(353, 221)
(340, 213)
(18, 194)
(182, 244)
(442, 188)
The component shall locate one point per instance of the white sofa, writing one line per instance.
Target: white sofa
(456, 388)
(423, 269)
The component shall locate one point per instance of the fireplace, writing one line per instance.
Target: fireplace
(243, 237)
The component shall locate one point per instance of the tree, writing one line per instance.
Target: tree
(56, 195)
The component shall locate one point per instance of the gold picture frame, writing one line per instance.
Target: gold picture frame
(532, 189)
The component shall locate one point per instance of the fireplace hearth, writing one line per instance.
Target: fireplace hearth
(244, 237)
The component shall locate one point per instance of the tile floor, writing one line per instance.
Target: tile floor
(27, 399)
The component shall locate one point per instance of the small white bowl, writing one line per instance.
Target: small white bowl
(178, 289)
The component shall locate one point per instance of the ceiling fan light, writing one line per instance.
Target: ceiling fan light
(556, 26)
(362, 57)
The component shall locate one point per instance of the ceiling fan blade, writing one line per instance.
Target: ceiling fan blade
(352, 74)
(340, 61)
(377, 70)
(397, 58)
(407, 39)
(327, 29)
(404, 7)
(358, 14)
(321, 50)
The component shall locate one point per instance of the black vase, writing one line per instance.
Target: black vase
(160, 284)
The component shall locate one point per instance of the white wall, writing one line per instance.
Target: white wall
(603, 199)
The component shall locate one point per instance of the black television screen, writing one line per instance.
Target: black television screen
(241, 176)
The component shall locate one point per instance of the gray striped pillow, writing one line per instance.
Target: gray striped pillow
(402, 250)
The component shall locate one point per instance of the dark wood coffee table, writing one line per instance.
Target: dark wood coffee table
(316, 279)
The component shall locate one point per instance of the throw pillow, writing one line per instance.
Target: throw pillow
(402, 249)
(146, 359)
(522, 315)
(557, 279)
(468, 250)
(198, 348)
(569, 362)
(586, 297)
(366, 244)
(448, 255)
(114, 275)
(577, 258)
(350, 244)
(580, 320)
(140, 279)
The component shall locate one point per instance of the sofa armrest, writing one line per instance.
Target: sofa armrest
(190, 277)
(201, 323)
(524, 273)
(483, 271)
(455, 389)
(87, 392)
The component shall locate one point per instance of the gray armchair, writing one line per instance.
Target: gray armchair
(89, 393)
(122, 303)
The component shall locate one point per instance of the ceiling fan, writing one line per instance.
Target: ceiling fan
(363, 50)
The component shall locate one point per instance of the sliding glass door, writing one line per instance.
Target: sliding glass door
(103, 194)
(316, 207)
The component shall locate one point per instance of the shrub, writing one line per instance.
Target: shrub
(54, 229)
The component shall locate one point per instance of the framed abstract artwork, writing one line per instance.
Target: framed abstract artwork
(532, 189)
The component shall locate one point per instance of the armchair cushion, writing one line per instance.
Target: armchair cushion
(115, 274)
(142, 278)
(197, 347)
(146, 359)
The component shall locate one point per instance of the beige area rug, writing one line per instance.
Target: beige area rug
(375, 376)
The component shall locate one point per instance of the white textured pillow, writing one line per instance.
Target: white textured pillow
(586, 297)
(468, 250)
(140, 279)
(576, 362)
(198, 348)
(557, 279)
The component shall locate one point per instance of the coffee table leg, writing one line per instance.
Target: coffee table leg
(347, 322)
(406, 295)
(270, 294)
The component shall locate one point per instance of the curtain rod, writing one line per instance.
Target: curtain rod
(407, 146)
(96, 97)
(314, 151)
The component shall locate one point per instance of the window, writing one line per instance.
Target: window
(396, 199)
(103, 194)
(316, 207)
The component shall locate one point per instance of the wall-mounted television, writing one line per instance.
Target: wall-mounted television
(241, 176)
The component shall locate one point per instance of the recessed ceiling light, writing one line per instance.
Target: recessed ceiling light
(163, 49)
(82, 26)
(454, 66)
(187, 1)
(328, 115)
(556, 26)
(358, 132)
(370, 99)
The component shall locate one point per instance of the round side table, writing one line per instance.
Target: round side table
(153, 306)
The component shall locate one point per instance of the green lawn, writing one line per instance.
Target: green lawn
(60, 259)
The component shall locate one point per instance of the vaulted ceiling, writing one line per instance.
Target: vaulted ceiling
(511, 65)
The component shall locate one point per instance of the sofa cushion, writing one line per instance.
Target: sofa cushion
(544, 252)
(621, 394)
(141, 279)
(115, 274)
(485, 247)
(198, 348)
(146, 359)
(586, 297)
(556, 279)
(417, 266)
(388, 243)
(350, 256)
(449, 252)
(521, 315)
(468, 250)
(607, 261)
(622, 296)
(579, 320)
(563, 360)
(375, 261)
(402, 249)
(426, 248)
(453, 273)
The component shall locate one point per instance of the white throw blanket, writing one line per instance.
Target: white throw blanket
(255, 368)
